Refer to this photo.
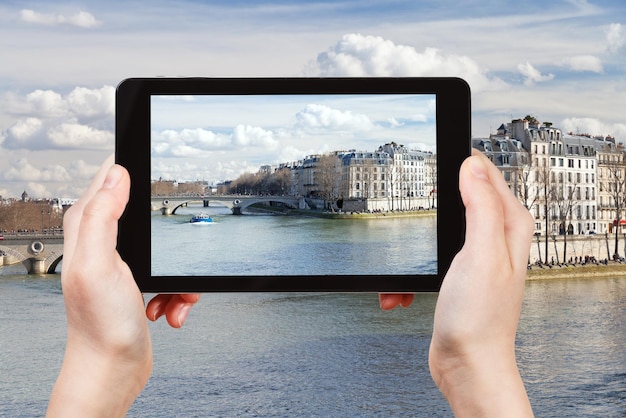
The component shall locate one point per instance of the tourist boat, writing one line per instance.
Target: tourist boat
(201, 219)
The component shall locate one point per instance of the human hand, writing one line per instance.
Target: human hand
(390, 301)
(472, 352)
(108, 357)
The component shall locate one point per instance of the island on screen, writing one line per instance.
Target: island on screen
(292, 184)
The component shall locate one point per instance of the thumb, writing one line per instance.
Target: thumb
(98, 226)
(484, 212)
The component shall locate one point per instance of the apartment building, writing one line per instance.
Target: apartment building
(568, 182)
(392, 177)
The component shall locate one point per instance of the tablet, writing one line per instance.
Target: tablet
(292, 184)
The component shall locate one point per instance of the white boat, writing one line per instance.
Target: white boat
(201, 219)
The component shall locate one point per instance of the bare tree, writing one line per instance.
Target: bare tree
(564, 200)
(524, 187)
(544, 195)
(328, 179)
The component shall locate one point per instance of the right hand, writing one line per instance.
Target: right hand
(472, 352)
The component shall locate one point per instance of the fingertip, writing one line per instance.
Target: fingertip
(407, 300)
(177, 315)
(388, 301)
(113, 177)
(183, 314)
(156, 308)
(476, 166)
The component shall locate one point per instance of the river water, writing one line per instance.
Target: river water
(288, 245)
(320, 355)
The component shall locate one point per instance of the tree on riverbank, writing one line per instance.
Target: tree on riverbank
(564, 202)
(262, 182)
(29, 216)
(328, 179)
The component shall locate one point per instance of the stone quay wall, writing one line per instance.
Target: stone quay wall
(577, 246)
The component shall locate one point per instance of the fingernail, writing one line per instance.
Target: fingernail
(113, 177)
(477, 168)
(158, 312)
(183, 313)
(386, 305)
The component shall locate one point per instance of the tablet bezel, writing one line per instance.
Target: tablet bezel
(132, 125)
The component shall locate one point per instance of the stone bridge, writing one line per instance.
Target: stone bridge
(39, 254)
(169, 205)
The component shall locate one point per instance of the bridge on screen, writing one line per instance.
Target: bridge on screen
(169, 205)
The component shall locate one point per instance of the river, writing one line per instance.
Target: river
(320, 355)
(288, 245)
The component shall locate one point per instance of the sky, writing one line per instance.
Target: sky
(216, 138)
(562, 61)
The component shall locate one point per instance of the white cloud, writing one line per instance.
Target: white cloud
(24, 130)
(196, 142)
(84, 102)
(46, 119)
(79, 169)
(532, 75)
(585, 63)
(81, 19)
(253, 136)
(23, 170)
(75, 135)
(46, 104)
(314, 117)
(199, 138)
(615, 37)
(358, 55)
(593, 126)
(37, 190)
(394, 122)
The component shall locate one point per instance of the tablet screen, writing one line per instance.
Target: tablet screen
(292, 184)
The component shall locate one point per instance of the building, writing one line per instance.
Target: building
(365, 180)
(390, 178)
(611, 178)
(571, 184)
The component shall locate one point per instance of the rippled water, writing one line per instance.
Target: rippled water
(290, 245)
(277, 355)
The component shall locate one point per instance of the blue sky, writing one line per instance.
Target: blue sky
(564, 62)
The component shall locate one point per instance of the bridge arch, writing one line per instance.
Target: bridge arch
(290, 202)
(53, 266)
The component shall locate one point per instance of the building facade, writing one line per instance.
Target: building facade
(390, 178)
(571, 184)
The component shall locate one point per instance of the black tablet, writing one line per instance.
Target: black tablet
(292, 184)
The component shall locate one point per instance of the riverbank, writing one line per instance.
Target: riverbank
(611, 269)
(344, 215)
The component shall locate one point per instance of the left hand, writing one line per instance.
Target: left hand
(108, 357)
